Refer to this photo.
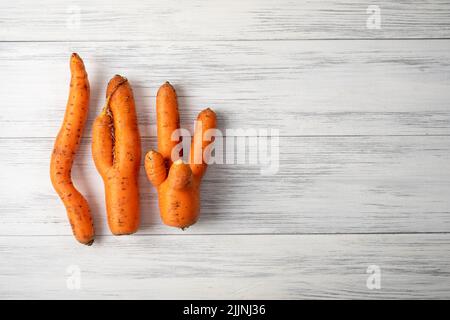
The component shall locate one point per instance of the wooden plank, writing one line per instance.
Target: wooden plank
(324, 184)
(226, 267)
(364, 121)
(300, 88)
(87, 20)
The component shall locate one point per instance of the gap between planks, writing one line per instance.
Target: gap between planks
(242, 234)
(222, 40)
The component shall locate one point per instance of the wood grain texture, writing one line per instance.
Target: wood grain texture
(300, 88)
(227, 267)
(363, 179)
(88, 20)
(324, 184)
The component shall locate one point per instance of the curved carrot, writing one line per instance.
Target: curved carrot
(178, 183)
(64, 150)
(116, 149)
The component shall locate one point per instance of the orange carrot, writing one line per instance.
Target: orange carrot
(177, 183)
(167, 120)
(116, 149)
(64, 150)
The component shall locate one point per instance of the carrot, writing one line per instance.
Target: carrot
(116, 149)
(66, 145)
(167, 120)
(177, 183)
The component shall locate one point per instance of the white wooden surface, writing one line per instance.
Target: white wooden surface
(364, 121)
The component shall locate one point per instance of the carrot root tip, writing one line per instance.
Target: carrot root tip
(90, 243)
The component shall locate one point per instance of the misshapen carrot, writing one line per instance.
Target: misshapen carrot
(64, 150)
(116, 149)
(177, 183)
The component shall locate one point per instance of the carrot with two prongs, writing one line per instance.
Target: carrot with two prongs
(64, 150)
(177, 183)
(116, 149)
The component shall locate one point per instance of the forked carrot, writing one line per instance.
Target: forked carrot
(177, 183)
(116, 149)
